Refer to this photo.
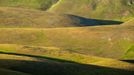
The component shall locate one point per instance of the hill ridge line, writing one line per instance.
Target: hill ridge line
(49, 9)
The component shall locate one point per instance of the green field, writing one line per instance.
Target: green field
(66, 37)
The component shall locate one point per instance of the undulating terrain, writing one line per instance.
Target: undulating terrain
(66, 37)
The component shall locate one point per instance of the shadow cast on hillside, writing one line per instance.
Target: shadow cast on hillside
(58, 67)
(129, 61)
(95, 22)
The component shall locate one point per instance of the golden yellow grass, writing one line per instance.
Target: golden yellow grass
(129, 23)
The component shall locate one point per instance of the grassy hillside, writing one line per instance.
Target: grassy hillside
(102, 9)
(49, 58)
(36, 4)
(53, 52)
(19, 17)
(66, 37)
(100, 41)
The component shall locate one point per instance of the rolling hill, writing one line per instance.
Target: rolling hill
(47, 59)
(28, 18)
(100, 41)
(66, 37)
(100, 9)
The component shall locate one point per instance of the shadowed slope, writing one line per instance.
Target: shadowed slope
(81, 21)
(129, 61)
(49, 66)
(10, 72)
(60, 68)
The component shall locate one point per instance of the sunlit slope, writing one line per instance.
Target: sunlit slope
(106, 41)
(102, 9)
(129, 23)
(46, 57)
(36, 4)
